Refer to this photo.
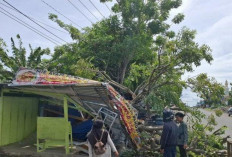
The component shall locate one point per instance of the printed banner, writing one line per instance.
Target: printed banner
(30, 77)
(126, 113)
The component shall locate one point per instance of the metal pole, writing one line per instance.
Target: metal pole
(67, 125)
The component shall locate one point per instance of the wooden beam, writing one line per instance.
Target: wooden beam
(90, 97)
(47, 94)
(1, 111)
(70, 116)
(78, 106)
(57, 103)
(229, 148)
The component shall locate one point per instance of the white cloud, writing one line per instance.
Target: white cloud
(212, 19)
(218, 36)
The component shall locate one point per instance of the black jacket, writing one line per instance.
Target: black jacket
(182, 134)
(169, 135)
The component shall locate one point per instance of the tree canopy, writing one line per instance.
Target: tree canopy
(208, 89)
(136, 47)
(10, 62)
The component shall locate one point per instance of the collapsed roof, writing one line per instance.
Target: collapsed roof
(89, 94)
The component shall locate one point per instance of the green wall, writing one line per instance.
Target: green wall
(18, 118)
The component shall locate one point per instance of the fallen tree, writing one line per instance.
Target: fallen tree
(204, 140)
(138, 54)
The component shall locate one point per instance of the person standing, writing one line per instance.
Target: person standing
(168, 139)
(182, 138)
(99, 141)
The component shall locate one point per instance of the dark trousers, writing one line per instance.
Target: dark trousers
(182, 151)
(170, 151)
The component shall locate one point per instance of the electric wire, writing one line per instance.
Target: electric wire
(61, 13)
(34, 21)
(49, 26)
(29, 27)
(6, 6)
(108, 7)
(96, 8)
(80, 11)
(88, 9)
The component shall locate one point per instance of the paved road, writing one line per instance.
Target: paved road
(224, 120)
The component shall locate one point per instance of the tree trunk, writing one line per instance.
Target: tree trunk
(148, 110)
(123, 69)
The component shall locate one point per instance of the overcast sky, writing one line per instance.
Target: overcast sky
(211, 18)
(39, 11)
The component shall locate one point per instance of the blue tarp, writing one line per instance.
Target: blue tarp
(79, 130)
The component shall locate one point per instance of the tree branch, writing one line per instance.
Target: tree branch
(112, 82)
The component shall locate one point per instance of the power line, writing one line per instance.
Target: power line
(96, 8)
(34, 21)
(61, 13)
(6, 6)
(108, 7)
(80, 11)
(28, 26)
(49, 26)
(87, 9)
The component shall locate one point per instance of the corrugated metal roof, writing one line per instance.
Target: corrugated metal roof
(89, 95)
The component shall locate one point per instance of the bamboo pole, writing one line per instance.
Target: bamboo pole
(67, 126)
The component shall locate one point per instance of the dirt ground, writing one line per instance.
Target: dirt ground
(30, 151)
(27, 148)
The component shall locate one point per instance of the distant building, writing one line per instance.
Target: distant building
(227, 92)
(227, 89)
